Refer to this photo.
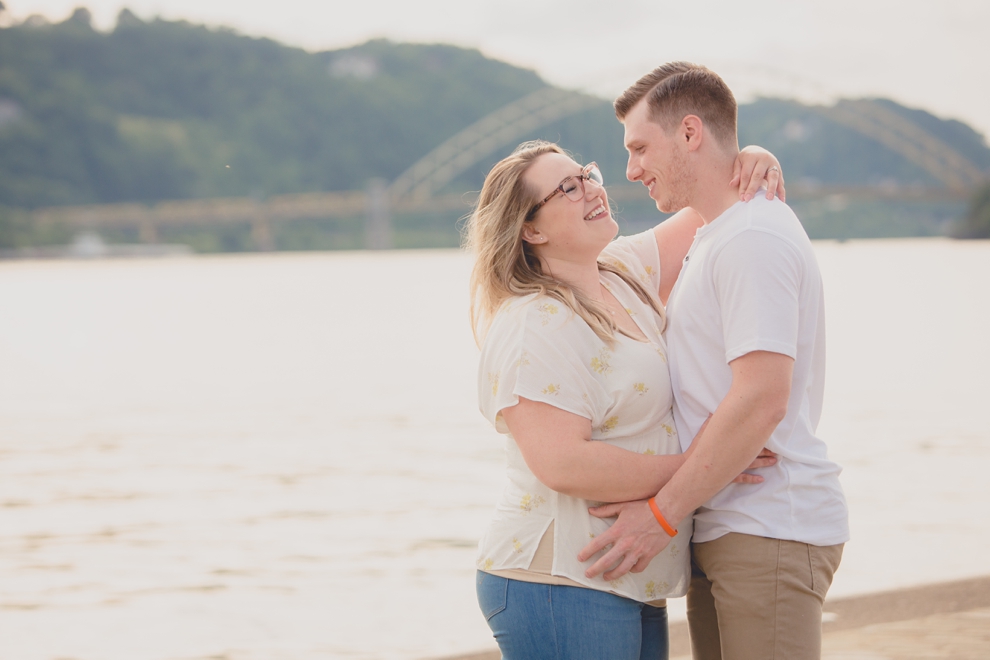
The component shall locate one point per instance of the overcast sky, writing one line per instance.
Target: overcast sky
(923, 53)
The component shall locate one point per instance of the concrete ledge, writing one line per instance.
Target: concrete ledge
(904, 604)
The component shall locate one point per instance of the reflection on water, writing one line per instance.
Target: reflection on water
(280, 456)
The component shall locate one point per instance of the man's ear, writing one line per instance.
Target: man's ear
(693, 131)
(531, 234)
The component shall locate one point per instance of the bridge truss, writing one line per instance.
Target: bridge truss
(419, 187)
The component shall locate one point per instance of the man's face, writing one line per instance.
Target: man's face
(658, 159)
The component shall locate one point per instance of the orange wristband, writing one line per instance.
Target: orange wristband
(671, 532)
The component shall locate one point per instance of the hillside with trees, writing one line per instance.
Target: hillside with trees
(976, 223)
(160, 110)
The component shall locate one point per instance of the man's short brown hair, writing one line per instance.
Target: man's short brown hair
(678, 89)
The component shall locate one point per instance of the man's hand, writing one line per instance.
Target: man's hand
(636, 538)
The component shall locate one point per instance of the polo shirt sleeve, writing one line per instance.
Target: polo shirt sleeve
(757, 278)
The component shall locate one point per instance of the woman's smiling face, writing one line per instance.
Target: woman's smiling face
(562, 228)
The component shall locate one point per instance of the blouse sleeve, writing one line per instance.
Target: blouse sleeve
(636, 255)
(534, 351)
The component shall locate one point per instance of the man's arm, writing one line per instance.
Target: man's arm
(742, 424)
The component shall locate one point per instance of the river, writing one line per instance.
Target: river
(280, 456)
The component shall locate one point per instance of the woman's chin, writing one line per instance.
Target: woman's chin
(610, 226)
(609, 230)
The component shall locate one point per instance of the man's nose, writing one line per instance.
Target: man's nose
(633, 170)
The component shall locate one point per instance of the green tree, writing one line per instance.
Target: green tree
(976, 224)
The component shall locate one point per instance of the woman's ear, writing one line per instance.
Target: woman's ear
(531, 234)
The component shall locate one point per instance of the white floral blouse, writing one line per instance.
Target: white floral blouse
(538, 349)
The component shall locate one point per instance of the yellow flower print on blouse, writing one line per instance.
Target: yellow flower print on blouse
(668, 428)
(645, 277)
(618, 265)
(653, 590)
(663, 357)
(517, 546)
(551, 389)
(522, 361)
(547, 310)
(609, 424)
(673, 551)
(641, 388)
(527, 503)
(487, 564)
(601, 363)
(649, 452)
(493, 379)
(615, 584)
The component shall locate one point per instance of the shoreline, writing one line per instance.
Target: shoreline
(873, 617)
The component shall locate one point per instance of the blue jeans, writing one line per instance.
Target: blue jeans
(548, 622)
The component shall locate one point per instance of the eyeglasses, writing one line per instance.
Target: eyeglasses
(572, 187)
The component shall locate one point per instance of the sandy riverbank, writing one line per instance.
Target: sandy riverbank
(944, 620)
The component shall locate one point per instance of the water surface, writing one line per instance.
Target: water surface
(251, 457)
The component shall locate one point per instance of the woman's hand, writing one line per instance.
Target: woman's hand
(753, 166)
(765, 458)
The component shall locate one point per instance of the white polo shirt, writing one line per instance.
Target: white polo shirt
(751, 282)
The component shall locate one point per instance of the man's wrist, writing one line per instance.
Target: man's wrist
(669, 508)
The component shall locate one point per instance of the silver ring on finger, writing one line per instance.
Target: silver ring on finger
(773, 169)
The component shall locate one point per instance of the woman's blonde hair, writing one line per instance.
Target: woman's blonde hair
(505, 265)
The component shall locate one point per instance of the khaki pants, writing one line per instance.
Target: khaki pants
(754, 598)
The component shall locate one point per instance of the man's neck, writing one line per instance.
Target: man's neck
(712, 193)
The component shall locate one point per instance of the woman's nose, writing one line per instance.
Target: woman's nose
(592, 188)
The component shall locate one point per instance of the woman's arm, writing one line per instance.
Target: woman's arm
(674, 237)
(557, 447)
(754, 167)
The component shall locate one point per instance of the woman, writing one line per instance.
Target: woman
(573, 352)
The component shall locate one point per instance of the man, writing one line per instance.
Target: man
(746, 343)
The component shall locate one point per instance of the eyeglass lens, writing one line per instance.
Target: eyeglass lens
(573, 187)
